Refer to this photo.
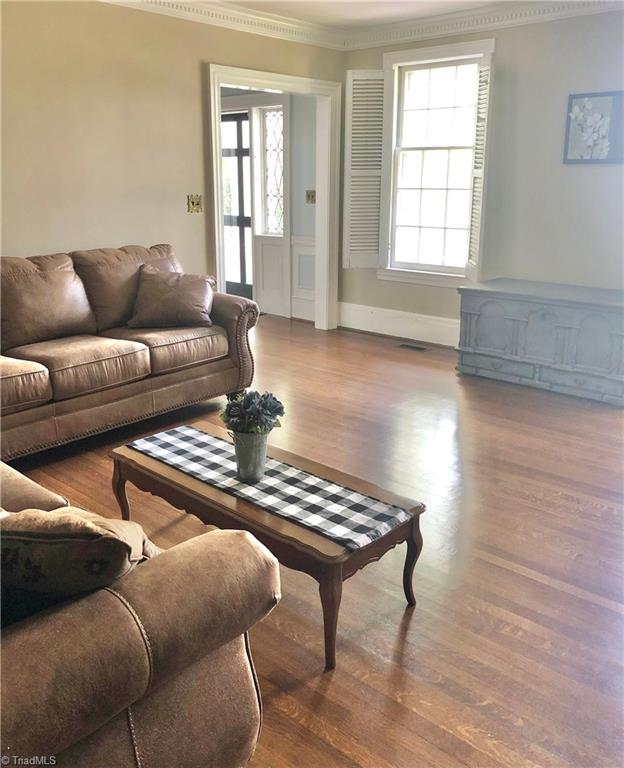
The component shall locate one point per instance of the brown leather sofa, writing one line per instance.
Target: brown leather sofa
(152, 672)
(70, 365)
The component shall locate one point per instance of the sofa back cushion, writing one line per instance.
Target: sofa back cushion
(42, 298)
(111, 277)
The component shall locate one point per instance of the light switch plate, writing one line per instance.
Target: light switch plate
(310, 196)
(194, 204)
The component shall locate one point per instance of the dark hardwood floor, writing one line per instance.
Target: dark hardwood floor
(513, 654)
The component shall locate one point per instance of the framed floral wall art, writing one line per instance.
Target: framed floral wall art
(594, 128)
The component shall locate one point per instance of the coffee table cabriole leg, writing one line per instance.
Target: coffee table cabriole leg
(414, 548)
(119, 489)
(330, 589)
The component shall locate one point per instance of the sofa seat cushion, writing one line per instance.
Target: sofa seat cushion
(82, 364)
(23, 384)
(174, 348)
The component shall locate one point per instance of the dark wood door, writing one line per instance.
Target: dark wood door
(237, 203)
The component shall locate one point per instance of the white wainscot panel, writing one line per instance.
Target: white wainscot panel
(271, 285)
(302, 250)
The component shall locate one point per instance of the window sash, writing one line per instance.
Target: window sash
(425, 266)
(400, 73)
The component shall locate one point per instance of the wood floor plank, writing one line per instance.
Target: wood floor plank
(467, 651)
(512, 657)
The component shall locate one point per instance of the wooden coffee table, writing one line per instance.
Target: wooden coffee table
(294, 546)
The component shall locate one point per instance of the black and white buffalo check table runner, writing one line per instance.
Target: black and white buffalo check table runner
(341, 514)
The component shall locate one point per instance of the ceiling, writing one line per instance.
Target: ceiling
(349, 13)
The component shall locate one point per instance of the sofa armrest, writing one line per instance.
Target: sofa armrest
(220, 584)
(69, 670)
(238, 316)
(18, 492)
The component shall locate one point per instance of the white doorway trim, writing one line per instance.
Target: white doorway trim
(328, 113)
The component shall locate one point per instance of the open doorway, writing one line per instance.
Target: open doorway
(256, 190)
(275, 151)
(268, 148)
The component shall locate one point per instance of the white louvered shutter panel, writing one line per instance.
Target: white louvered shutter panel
(363, 151)
(478, 172)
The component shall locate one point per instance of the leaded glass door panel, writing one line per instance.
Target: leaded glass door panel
(273, 288)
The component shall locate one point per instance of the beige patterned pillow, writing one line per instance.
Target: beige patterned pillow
(68, 551)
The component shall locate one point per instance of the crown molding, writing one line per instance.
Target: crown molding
(500, 16)
(242, 20)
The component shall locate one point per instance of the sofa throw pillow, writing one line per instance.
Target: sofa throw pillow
(68, 551)
(170, 300)
(111, 277)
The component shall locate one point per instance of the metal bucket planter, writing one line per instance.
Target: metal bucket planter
(250, 450)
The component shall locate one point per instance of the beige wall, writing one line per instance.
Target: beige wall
(104, 135)
(103, 127)
(543, 220)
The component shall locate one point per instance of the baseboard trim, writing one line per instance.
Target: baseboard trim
(404, 325)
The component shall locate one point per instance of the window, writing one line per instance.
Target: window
(272, 189)
(437, 159)
(433, 161)
(415, 163)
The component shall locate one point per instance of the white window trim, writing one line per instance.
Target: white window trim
(436, 53)
(422, 277)
(482, 49)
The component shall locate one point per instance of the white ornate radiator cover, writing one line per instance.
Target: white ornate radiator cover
(562, 338)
